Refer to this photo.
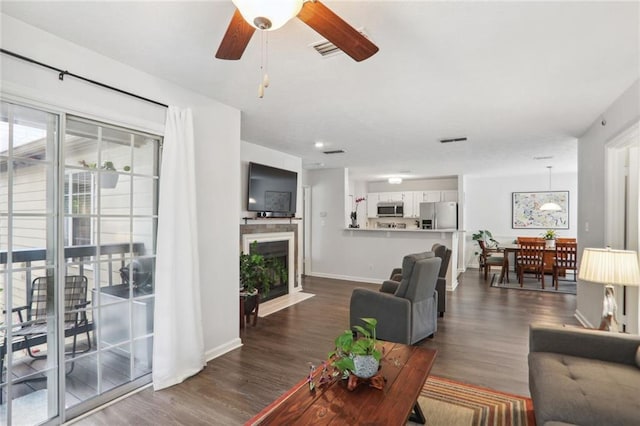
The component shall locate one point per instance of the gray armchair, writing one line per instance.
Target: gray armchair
(408, 315)
(444, 254)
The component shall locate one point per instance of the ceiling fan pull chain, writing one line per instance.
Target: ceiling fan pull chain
(265, 79)
(261, 86)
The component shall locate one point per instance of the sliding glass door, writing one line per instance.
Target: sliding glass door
(78, 217)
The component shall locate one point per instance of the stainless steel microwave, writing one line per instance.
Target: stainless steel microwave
(391, 209)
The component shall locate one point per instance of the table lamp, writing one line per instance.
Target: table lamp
(609, 268)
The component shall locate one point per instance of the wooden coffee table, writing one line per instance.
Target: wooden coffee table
(405, 369)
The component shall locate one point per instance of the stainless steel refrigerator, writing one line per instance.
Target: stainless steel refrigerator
(442, 215)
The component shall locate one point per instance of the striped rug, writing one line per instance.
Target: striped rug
(449, 403)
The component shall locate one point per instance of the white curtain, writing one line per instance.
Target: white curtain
(178, 344)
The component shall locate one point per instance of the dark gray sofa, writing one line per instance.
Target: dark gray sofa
(583, 377)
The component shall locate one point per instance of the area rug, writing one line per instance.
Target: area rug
(449, 403)
(279, 303)
(565, 285)
(446, 402)
(531, 284)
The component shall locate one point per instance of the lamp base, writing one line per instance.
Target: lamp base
(609, 321)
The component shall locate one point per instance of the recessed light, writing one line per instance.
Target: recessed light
(395, 180)
(319, 145)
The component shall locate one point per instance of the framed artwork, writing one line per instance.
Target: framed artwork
(526, 213)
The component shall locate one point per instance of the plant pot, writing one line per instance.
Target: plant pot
(250, 301)
(366, 366)
(550, 243)
(109, 180)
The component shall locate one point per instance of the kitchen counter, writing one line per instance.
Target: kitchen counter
(402, 230)
(387, 246)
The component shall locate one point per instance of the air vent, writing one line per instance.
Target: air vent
(325, 48)
(335, 151)
(450, 140)
(546, 157)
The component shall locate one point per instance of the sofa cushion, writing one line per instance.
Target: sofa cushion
(583, 391)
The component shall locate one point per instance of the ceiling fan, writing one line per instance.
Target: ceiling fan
(272, 14)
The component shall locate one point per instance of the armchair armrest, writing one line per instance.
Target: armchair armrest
(389, 286)
(593, 344)
(393, 314)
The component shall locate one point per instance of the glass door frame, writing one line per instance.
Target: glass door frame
(55, 242)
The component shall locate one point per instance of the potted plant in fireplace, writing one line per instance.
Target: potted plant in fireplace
(257, 274)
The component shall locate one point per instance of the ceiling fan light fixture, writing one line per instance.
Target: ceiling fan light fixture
(268, 15)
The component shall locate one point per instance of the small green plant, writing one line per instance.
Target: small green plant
(259, 272)
(485, 236)
(550, 234)
(107, 165)
(347, 346)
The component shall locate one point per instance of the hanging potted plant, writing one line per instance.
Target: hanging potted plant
(109, 176)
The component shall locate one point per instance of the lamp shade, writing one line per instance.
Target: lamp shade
(606, 266)
(268, 14)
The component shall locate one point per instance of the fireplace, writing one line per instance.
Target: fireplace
(275, 250)
(275, 244)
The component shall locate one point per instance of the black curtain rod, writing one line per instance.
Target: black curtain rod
(62, 73)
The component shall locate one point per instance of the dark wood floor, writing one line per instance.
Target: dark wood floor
(482, 340)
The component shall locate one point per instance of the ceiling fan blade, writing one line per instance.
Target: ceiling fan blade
(236, 38)
(336, 30)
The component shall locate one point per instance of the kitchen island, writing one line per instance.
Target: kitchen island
(384, 248)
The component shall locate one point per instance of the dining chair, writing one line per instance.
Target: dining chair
(530, 258)
(566, 258)
(488, 259)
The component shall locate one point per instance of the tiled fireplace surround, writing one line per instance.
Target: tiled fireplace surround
(275, 228)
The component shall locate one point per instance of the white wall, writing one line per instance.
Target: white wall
(217, 135)
(620, 116)
(487, 205)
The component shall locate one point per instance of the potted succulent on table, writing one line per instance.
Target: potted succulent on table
(550, 238)
(359, 357)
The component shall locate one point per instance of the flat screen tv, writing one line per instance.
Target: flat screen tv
(272, 191)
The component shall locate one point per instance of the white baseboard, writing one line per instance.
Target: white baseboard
(346, 278)
(583, 320)
(222, 349)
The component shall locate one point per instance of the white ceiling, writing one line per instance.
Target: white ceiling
(519, 79)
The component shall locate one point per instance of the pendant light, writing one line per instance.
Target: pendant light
(550, 207)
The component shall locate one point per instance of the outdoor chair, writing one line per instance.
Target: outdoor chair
(31, 329)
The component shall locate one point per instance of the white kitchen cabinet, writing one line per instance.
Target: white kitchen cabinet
(450, 195)
(390, 196)
(431, 196)
(372, 204)
(409, 205)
